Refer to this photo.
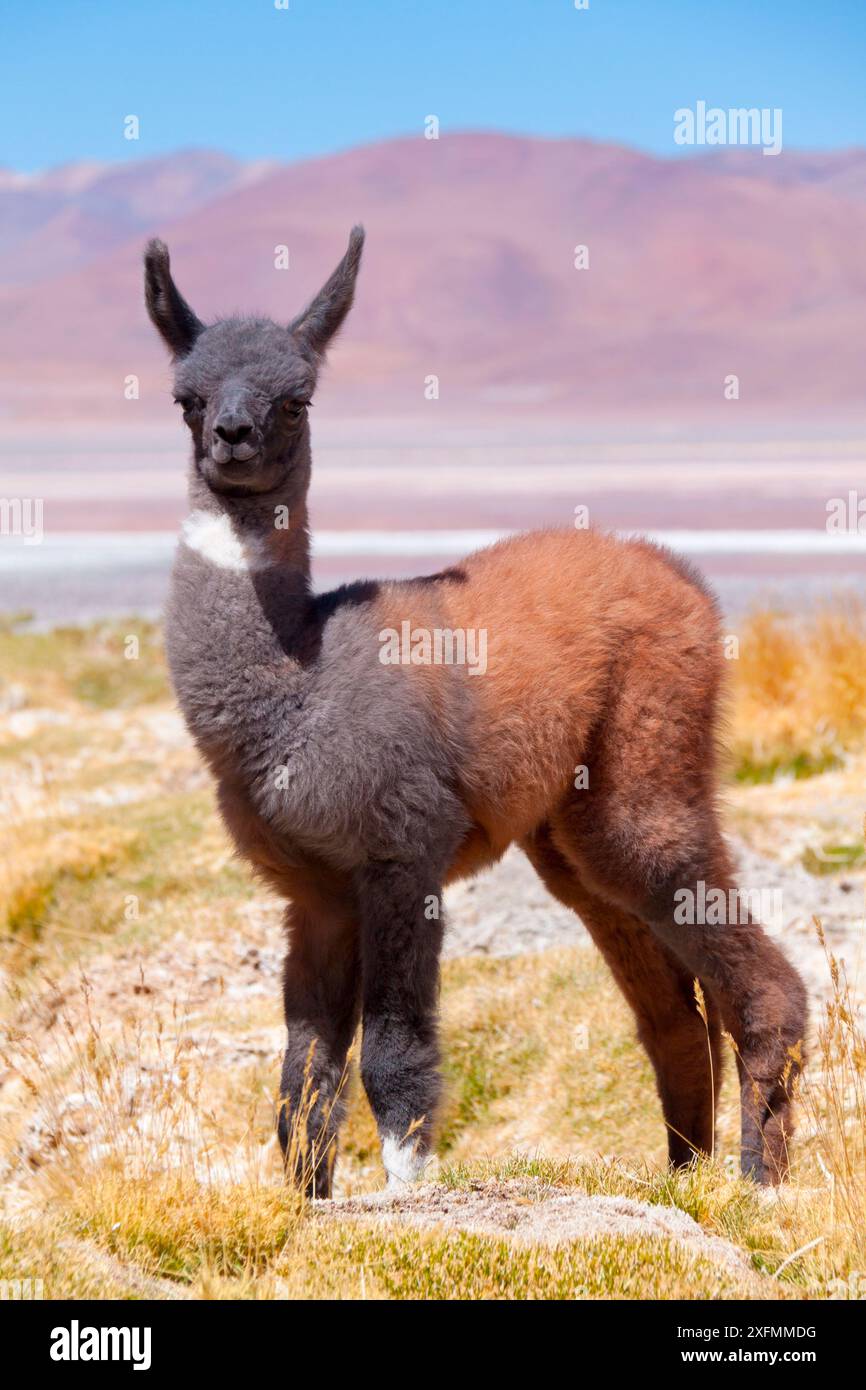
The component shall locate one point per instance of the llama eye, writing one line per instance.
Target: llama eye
(189, 404)
(293, 410)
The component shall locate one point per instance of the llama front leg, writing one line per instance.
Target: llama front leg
(322, 1004)
(401, 938)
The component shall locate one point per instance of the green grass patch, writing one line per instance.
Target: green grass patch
(751, 772)
(833, 858)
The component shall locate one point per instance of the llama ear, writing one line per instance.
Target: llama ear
(170, 314)
(321, 319)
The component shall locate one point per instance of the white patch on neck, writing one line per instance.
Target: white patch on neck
(215, 539)
(402, 1162)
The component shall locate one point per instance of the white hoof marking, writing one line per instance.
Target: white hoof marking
(403, 1163)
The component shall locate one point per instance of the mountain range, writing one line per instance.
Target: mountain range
(696, 270)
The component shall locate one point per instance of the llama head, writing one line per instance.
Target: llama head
(244, 384)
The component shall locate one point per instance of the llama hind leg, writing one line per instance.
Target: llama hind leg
(322, 1006)
(645, 829)
(401, 940)
(763, 1002)
(684, 1052)
(760, 995)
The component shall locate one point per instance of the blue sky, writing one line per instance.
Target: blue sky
(243, 76)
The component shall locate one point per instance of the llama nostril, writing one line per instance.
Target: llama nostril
(233, 434)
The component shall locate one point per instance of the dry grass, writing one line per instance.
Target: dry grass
(799, 691)
(137, 1083)
(141, 1145)
(834, 1102)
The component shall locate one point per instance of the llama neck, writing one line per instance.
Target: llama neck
(260, 549)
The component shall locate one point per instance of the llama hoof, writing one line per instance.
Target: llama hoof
(402, 1162)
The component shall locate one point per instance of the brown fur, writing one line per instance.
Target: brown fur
(609, 656)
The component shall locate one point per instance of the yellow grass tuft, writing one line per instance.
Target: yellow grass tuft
(799, 691)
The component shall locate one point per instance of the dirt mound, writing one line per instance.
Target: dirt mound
(536, 1214)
